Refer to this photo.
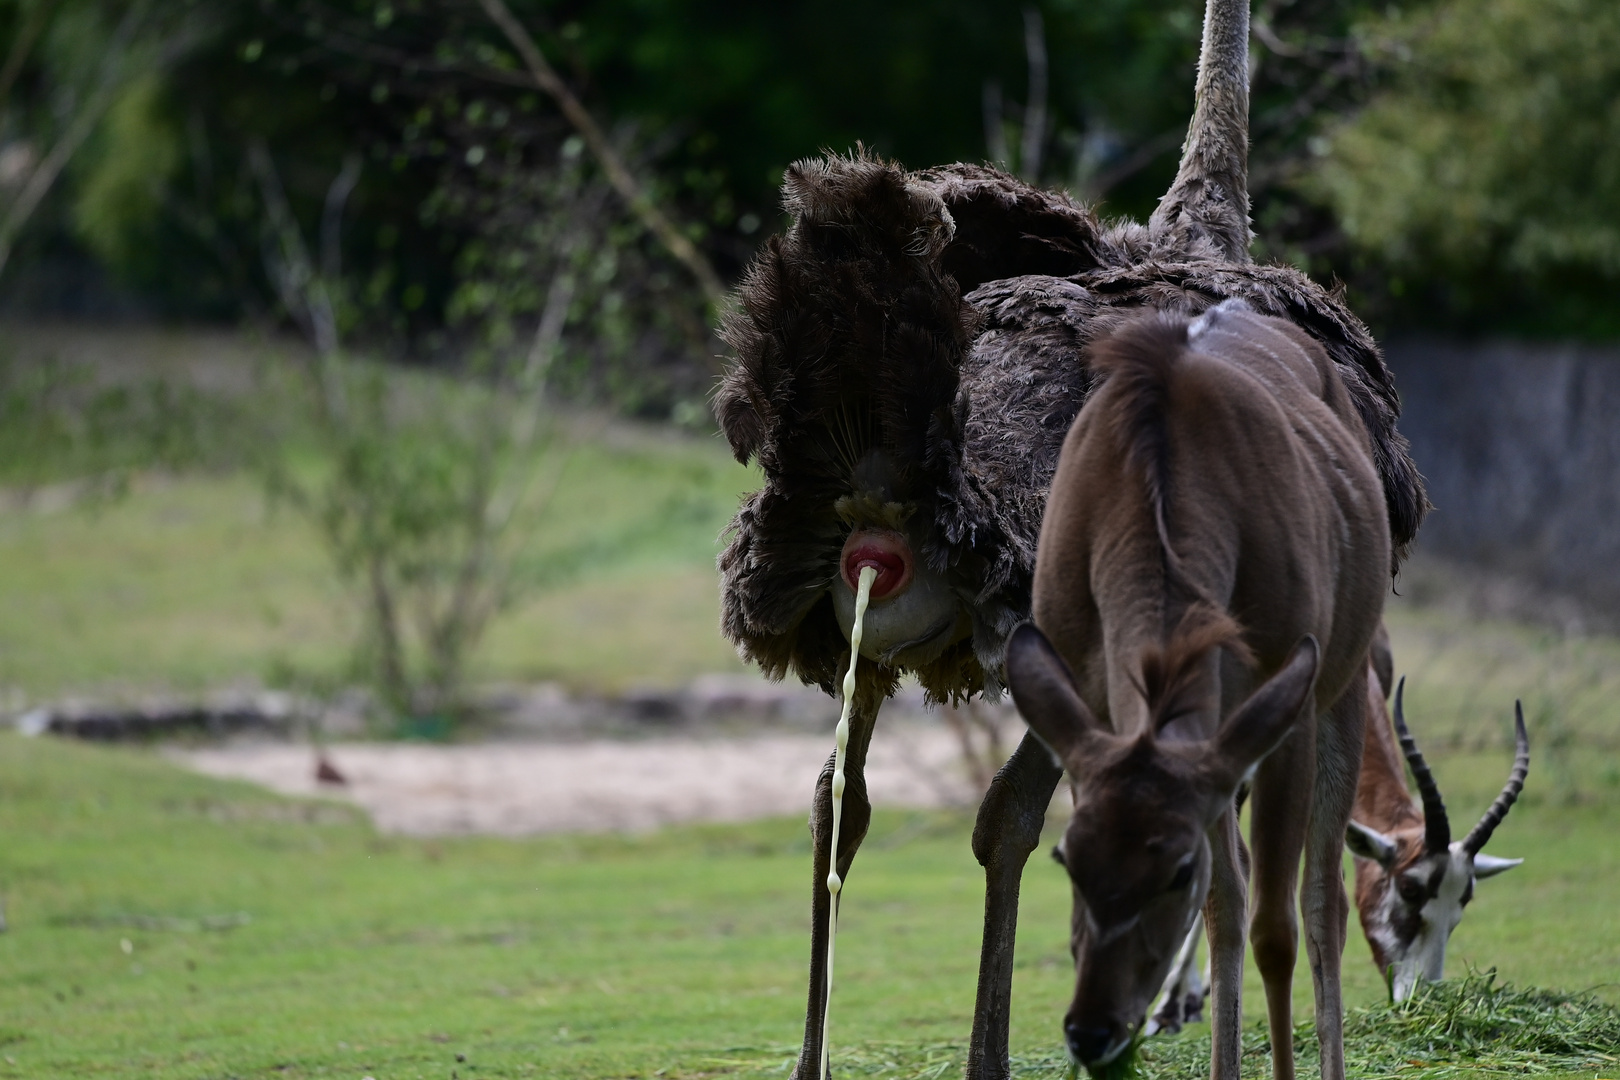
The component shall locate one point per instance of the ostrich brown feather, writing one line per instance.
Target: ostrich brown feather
(942, 317)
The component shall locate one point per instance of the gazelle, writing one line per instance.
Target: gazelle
(1220, 468)
(1412, 879)
(1410, 886)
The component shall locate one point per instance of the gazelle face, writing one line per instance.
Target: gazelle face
(1413, 883)
(1411, 905)
(1414, 907)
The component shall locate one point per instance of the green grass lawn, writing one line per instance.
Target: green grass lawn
(195, 581)
(165, 925)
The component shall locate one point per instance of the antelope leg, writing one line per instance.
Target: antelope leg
(1182, 999)
(1282, 804)
(857, 817)
(1325, 906)
(1007, 830)
(1224, 913)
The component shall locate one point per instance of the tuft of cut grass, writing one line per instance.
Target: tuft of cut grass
(1474, 1024)
(1453, 1028)
(1460, 1027)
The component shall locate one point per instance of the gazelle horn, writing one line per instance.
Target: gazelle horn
(1436, 825)
(1480, 834)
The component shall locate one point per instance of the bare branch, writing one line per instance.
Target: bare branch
(301, 289)
(22, 46)
(1131, 164)
(995, 133)
(113, 75)
(337, 196)
(1029, 158)
(629, 189)
(1268, 37)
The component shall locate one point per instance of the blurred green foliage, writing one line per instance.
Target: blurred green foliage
(1485, 180)
(712, 99)
(1450, 159)
(118, 207)
(63, 424)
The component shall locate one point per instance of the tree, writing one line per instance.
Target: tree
(66, 64)
(1483, 183)
(428, 486)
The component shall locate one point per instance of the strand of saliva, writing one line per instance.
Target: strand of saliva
(863, 593)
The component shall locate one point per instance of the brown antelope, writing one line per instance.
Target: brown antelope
(1219, 473)
(1412, 879)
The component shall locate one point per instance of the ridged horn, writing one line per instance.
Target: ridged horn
(1480, 834)
(1209, 199)
(1436, 825)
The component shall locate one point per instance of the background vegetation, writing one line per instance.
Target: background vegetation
(128, 573)
(1442, 156)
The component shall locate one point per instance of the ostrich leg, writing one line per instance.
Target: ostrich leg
(857, 817)
(1008, 829)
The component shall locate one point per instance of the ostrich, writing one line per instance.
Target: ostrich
(907, 361)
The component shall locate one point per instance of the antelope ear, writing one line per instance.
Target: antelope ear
(1043, 689)
(1257, 726)
(1489, 865)
(1370, 844)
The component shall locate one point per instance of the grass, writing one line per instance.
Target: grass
(164, 925)
(194, 581)
(273, 938)
(1466, 1026)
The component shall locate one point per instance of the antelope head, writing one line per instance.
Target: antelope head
(1412, 882)
(1136, 849)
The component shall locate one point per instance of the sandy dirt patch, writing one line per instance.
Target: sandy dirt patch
(518, 788)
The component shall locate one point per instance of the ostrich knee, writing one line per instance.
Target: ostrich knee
(857, 816)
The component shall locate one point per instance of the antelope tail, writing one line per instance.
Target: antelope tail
(1209, 200)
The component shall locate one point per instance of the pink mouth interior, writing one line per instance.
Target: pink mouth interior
(887, 553)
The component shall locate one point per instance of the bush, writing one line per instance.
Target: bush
(1485, 179)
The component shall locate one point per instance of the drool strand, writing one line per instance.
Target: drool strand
(863, 593)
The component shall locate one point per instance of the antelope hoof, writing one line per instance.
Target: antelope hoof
(1168, 1020)
(1192, 1010)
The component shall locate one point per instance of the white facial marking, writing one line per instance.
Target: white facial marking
(1114, 1050)
(1426, 959)
(1109, 934)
